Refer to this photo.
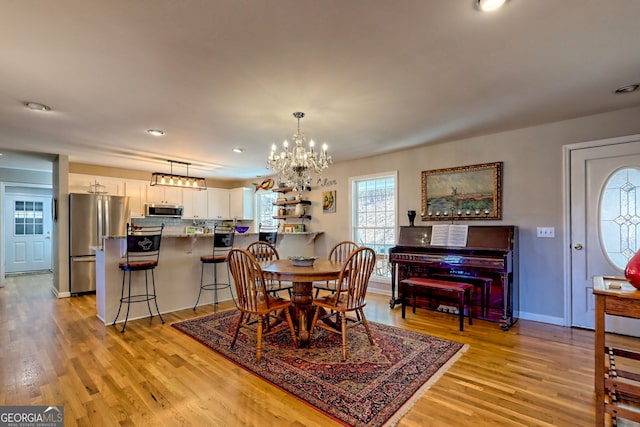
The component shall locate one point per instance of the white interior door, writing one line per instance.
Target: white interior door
(603, 238)
(27, 233)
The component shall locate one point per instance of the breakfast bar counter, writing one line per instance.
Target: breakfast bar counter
(177, 276)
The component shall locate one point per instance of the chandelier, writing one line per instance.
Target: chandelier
(182, 181)
(296, 166)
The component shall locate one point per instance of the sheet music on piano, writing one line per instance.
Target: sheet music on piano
(449, 235)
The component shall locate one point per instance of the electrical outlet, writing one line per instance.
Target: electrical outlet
(549, 232)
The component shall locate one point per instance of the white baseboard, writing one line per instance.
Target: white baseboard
(58, 294)
(522, 315)
(541, 318)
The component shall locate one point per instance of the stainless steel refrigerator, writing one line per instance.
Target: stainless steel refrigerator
(92, 216)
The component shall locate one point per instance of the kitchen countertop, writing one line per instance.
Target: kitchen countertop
(182, 235)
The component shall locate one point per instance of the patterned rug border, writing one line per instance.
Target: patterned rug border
(393, 419)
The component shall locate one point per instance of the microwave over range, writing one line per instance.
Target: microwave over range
(156, 209)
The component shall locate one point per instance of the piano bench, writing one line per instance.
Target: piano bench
(432, 286)
(482, 282)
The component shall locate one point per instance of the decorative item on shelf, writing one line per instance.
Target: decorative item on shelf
(300, 209)
(632, 271)
(287, 228)
(182, 181)
(295, 167)
(453, 213)
(412, 217)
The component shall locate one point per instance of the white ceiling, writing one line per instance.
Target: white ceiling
(371, 75)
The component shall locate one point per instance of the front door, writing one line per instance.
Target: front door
(27, 233)
(605, 222)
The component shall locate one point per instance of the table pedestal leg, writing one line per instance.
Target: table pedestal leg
(302, 297)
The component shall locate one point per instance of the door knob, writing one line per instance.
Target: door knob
(578, 247)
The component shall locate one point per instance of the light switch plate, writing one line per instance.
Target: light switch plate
(549, 232)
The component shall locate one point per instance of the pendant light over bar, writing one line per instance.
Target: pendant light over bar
(181, 181)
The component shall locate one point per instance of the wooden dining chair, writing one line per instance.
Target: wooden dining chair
(349, 297)
(340, 252)
(253, 299)
(264, 251)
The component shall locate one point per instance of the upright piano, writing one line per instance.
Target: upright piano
(491, 252)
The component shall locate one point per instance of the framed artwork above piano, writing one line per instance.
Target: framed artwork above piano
(466, 192)
(489, 261)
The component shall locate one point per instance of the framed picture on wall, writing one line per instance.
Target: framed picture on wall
(288, 228)
(329, 201)
(466, 192)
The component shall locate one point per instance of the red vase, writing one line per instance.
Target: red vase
(632, 272)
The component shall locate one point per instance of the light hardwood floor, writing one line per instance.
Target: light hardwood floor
(56, 352)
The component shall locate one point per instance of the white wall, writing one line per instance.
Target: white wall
(532, 193)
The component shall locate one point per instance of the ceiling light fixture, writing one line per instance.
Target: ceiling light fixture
(489, 5)
(156, 132)
(627, 88)
(238, 150)
(295, 167)
(36, 106)
(182, 181)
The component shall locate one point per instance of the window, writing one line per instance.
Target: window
(374, 216)
(28, 218)
(620, 216)
(264, 207)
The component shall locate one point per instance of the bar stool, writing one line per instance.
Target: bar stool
(143, 252)
(223, 238)
(268, 233)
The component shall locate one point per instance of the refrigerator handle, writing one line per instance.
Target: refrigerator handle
(100, 221)
(106, 214)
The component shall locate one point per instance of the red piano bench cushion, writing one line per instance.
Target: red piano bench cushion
(432, 286)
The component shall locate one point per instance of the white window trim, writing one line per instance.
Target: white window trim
(352, 181)
(256, 206)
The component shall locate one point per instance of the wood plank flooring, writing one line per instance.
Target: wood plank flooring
(57, 352)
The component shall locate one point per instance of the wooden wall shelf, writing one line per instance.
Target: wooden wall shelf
(291, 202)
(285, 217)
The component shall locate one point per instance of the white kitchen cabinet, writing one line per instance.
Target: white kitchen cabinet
(241, 203)
(164, 195)
(136, 190)
(81, 183)
(218, 203)
(195, 204)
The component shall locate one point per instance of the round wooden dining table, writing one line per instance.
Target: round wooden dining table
(302, 279)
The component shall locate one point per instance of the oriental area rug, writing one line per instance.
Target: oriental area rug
(376, 385)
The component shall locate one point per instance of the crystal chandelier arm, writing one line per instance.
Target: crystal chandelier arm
(295, 166)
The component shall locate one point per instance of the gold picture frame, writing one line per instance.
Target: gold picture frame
(329, 201)
(468, 192)
(288, 228)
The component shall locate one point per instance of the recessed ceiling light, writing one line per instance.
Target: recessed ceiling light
(489, 5)
(238, 150)
(628, 88)
(156, 132)
(36, 106)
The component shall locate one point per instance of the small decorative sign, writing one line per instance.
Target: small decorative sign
(329, 201)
